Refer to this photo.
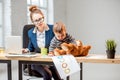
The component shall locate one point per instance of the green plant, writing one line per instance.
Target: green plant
(111, 44)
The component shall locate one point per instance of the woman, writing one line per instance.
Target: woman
(40, 36)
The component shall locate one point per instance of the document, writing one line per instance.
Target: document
(20, 55)
(66, 65)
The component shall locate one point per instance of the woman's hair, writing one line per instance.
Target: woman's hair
(34, 9)
(59, 27)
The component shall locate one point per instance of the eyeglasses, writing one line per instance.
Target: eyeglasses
(40, 20)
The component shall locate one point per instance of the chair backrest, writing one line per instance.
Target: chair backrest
(25, 34)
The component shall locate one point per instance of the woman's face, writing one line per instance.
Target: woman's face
(38, 20)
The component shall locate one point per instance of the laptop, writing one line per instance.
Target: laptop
(13, 47)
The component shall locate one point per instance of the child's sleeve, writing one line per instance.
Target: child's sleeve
(52, 45)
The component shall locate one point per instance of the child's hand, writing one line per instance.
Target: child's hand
(51, 54)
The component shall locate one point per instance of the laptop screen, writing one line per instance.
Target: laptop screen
(13, 44)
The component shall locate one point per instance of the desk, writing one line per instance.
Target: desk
(91, 58)
(8, 62)
(96, 58)
(29, 60)
(36, 60)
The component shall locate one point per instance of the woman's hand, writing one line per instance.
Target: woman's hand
(25, 50)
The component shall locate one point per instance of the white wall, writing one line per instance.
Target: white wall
(94, 21)
(18, 14)
(60, 10)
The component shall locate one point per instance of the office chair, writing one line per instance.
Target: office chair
(27, 67)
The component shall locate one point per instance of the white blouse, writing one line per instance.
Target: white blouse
(41, 39)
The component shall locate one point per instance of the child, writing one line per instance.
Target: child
(60, 36)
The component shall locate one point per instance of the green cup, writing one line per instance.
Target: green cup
(43, 51)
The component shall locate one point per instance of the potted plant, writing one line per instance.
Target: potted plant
(111, 48)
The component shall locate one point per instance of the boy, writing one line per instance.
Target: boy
(60, 36)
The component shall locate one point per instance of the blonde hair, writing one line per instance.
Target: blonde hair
(59, 27)
(34, 9)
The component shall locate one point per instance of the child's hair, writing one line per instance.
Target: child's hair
(59, 27)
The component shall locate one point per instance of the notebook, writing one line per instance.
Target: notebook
(13, 47)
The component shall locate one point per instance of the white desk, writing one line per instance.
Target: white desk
(91, 58)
